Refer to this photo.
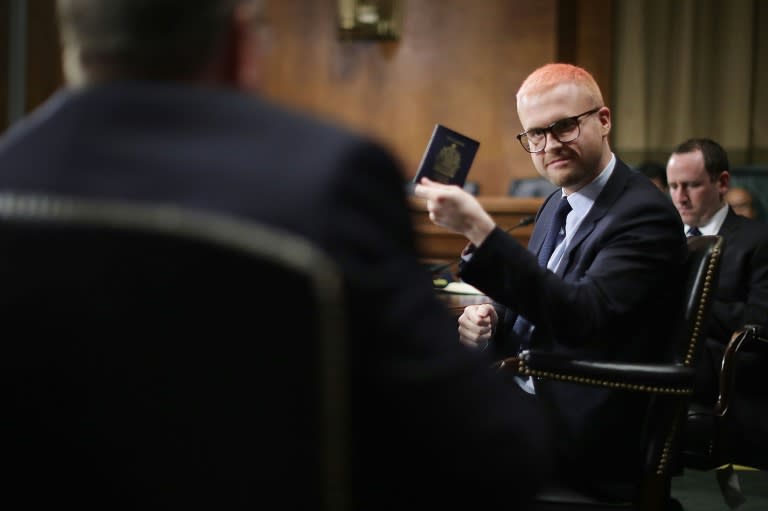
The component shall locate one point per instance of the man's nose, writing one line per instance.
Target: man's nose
(551, 140)
(680, 195)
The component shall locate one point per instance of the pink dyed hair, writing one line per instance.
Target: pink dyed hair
(550, 75)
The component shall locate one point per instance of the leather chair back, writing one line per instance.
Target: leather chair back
(161, 358)
(668, 384)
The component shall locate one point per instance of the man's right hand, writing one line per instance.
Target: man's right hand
(451, 207)
(477, 324)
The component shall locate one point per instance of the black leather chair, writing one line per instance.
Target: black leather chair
(730, 433)
(714, 435)
(669, 384)
(159, 358)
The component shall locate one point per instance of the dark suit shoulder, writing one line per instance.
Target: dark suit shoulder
(633, 201)
(750, 228)
(746, 241)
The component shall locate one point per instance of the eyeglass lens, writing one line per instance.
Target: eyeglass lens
(565, 130)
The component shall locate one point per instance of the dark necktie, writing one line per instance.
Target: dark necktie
(694, 231)
(555, 234)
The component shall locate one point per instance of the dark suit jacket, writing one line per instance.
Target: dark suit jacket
(741, 298)
(613, 298)
(430, 426)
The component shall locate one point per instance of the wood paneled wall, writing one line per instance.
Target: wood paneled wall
(4, 15)
(457, 62)
(43, 61)
(437, 243)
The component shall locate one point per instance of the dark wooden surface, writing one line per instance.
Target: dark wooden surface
(439, 243)
(457, 62)
(457, 302)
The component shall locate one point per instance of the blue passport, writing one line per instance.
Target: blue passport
(448, 157)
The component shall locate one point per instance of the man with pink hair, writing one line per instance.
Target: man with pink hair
(600, 279)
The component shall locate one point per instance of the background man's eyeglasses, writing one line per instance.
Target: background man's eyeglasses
(565, 130)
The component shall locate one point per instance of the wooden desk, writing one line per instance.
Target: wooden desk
(441, 245)
(436, 243)
(456, 302)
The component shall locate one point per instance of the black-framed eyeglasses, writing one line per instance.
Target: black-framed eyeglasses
(565, 130)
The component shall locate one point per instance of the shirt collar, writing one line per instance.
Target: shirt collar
(714, 224)
(582, 200)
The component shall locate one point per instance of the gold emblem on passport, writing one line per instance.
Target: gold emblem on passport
(447, 163)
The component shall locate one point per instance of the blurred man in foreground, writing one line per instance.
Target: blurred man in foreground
(159, 109)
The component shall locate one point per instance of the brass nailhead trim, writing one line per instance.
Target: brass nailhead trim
(661, 468)
(525, 371)
(695, 334)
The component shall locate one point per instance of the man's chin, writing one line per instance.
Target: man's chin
(567, 179)
(688, 220)
(560, 177)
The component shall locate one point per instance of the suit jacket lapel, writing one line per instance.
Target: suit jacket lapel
(603, 203)
(543, 217)
(730, 224)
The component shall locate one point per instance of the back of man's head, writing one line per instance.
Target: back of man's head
(141, 39)
(655, 171)
(741, 201)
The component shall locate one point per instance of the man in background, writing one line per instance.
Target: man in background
(656, 172)
(699, 178)
(741, 201)
(161, 106)
(582, 289)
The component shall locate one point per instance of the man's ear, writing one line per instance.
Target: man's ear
(604, 115)
(245, 47)
(724, 182)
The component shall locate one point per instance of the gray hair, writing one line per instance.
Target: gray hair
(141, 39)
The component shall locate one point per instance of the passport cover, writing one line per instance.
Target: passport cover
(448, 156)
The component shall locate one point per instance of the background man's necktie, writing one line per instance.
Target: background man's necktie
(555, 234)
(694, 231)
